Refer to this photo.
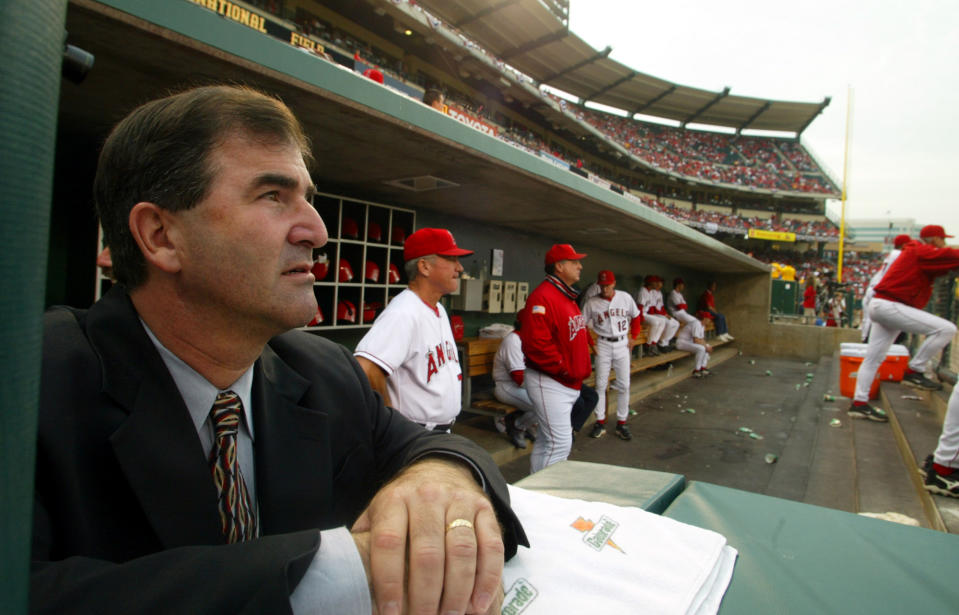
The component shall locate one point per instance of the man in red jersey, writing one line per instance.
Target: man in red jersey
(556, 346)
(897, 306)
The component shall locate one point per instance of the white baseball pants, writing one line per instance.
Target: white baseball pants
(889, 318)
(947, 453)
(684, 317)
(657, 324)
(866, 323)
(701, 357)
(552, 404)
(669, 331)
(515, 395)
(512, 394)
(615, 355)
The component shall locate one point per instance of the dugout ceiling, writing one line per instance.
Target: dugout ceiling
(364, 134)
(527, 36)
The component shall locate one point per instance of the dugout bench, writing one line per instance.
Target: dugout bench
(476, 360)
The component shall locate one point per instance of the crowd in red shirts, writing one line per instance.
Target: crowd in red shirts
(736, 223)
(760, 162)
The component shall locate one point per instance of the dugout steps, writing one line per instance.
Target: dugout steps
(916, 426)
(480, 428)
(857, 466)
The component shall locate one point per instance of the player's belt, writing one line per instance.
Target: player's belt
(446, 427)
(612, 339)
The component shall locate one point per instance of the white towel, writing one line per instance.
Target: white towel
(593, 557)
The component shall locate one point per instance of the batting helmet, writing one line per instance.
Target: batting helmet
(369, 311)
(393, 277)
(374, 232)
(317, 318)
(346, 311)
(346, 271)
(321, 266)
(372, 271)
(399, 234)
(350, 229)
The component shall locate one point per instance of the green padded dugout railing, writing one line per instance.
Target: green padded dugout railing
(31, 52)
(800, 558)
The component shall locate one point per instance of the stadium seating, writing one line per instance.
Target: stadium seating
(746, 161)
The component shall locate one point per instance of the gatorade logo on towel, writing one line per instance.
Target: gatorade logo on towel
(520, 595)
(598, 535)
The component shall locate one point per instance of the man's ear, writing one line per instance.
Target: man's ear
(150, 225)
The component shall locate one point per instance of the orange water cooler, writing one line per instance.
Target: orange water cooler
(892, 368)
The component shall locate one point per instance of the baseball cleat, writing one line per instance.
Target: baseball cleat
(598, 430)
(942, 485)
(623, 432)
(867, 411)
(919, 381)
(516, 436)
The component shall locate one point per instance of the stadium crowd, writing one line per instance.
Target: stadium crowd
(745, 161)
(857, 269)
(755, 162)
(735, 223)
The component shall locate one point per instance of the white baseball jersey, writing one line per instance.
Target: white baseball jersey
(692, 330)
(645, 299)
(676, 301)
(611, 318)
(413, 343)
(871, 288)
(866, 324)
(509, 358)
(656, 297)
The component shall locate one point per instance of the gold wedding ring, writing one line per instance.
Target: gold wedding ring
(455, 523)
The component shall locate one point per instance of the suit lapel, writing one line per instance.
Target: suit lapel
(157, 445)
(293, 473)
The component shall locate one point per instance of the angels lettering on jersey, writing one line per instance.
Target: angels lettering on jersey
(576, 324)
(438, 357)
(620, 316)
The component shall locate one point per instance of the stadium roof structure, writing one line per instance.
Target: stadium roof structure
(370, 141)
(528, 36)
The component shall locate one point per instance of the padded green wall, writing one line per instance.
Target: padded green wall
(31, 51)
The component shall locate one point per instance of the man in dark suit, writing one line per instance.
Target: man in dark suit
(148, 501)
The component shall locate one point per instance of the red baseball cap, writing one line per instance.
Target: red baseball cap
(431, 241)
(605, 277)
(900, 241)
(678, 281)
(933, 230)
(562, 252)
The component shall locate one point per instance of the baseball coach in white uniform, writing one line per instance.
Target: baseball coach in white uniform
(615, 320)
(409, 355)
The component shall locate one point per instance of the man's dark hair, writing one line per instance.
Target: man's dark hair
(432, 95)
(160, 154)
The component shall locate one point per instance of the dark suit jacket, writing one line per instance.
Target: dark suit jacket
(125, 514)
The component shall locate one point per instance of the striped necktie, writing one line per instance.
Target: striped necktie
(237, 515)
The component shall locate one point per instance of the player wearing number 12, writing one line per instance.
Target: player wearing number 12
(614, 318)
